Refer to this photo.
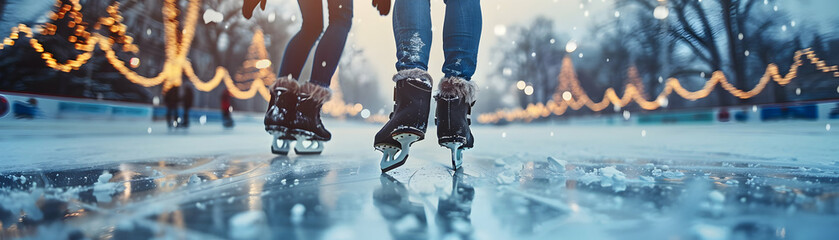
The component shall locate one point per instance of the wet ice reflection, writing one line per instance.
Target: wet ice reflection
(519, 196)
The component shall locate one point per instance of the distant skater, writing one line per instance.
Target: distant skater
(172, 99)
(294, 109)
(226, 109)
(187, 99)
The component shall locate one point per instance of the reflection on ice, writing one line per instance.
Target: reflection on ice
(521, 196)
(407, 219)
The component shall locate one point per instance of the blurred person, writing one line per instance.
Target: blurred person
(186, 100)
(456, 93)
(294, 108)
(171, 98)
(26, 110)
(226, 109)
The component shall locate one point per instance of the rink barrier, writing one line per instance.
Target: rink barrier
(53, 107)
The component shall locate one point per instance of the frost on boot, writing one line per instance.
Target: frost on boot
(455, 99)
(409, 119)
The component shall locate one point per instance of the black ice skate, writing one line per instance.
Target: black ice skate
(409, 119)
(454, 106)
(281, 111)
(307, 127)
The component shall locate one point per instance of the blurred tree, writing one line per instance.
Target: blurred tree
(358, 84)
(533, 57)
(720, 34)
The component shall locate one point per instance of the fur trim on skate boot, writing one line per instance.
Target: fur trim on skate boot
(417, 74)
(287, 83)
(318, 93)
(455, 87)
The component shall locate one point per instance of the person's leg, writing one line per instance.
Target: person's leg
(186, 117)
(169, 116)
(331, 45)
(456, 93)
(412, 31)
(412, 94)
(461, 36)
(299, 46)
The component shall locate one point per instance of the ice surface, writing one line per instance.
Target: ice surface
(779, 181)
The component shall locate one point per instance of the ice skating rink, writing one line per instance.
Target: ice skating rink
(109, 180)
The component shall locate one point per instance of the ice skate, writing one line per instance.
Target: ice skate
(409, 119)
(281, 109)
(455, 99)
(307, 127)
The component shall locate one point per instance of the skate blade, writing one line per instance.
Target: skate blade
(307, 147)
(457, 153)
(280, 149)
(390, 160)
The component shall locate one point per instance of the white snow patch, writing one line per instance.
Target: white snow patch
(406, 224)
(194, 180)
(673, 175)
(559, 164)
(505, 178)
(103, 189)
(297, 212)
(709, 232)
(500, 162)
(249, 225)
(716, 196)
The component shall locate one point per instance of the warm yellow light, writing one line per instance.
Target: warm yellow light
(135, 62)
(571, 46)
(632, 93)
(661, 12)
(528, 90)
(521, 84)
(264, 63)
(566, 96)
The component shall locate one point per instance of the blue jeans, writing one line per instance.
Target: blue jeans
(461, 35)
(330, 47)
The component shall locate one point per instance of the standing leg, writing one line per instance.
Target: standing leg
(412, 94)
(331, 45)
(461, 36)
(457, 94)
(412, 31)
(299, 46)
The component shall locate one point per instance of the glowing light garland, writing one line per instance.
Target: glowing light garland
(571, 95)
(176, 63)
(176, 51)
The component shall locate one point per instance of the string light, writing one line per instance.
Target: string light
(176, 63)
(633, 92)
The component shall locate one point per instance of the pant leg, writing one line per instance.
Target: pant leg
(461, 36)
(297, 50)
(171, 115)
(331, 45)
(412, 31)
(186, 117)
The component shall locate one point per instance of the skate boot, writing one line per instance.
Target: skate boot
(409, 119)
(308, 129)
(249, 5)
(454, 106)
(281, 111)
